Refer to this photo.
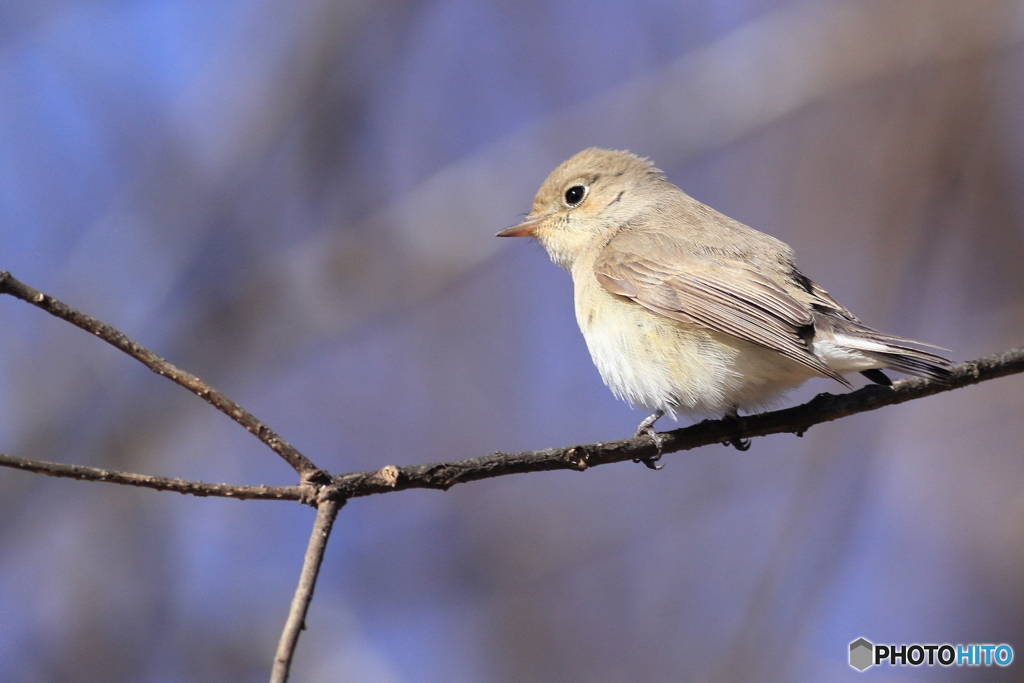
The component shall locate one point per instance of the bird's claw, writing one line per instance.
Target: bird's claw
(649, 462)
(738, 444)
(646, 428)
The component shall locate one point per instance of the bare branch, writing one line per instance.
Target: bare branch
(796, 420)
(331, 497)
(328, 506)
(195, 488)
(306, 469)
(822, 408)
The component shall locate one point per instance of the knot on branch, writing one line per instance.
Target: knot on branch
(439, 476)
(309, 494)
(387, 475)
(974, 370)
(315, 477)
(578, 458)
(330, 493)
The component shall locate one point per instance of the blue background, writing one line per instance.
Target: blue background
(297, 201)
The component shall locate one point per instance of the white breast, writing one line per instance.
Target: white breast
(656, 363)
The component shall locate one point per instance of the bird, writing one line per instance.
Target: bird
(686, 311)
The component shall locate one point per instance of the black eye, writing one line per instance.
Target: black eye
(575, 194)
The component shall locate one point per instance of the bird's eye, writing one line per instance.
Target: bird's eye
(575, 194)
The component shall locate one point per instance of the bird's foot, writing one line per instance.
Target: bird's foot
(736, 442)
(646, 428)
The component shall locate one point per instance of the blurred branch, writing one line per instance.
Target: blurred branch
(328, 505)
(195, 488)
(306, 469)
(796, 420)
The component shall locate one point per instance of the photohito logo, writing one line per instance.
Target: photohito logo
(864, 653)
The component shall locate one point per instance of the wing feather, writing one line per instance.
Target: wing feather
(719, 293)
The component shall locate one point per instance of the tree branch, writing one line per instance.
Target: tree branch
(796, 420)
(331, 497)
(442, 475)
(328, 506)
(196, 488)
(306, 469)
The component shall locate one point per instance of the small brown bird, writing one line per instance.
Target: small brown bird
(685, 310)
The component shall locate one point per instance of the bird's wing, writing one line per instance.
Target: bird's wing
(717, 292)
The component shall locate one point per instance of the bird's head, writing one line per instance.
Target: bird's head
(585, 200)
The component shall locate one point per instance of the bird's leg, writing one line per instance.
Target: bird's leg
(736, 442)
(646, 428)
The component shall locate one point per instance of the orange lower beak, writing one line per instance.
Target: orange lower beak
(524, 229)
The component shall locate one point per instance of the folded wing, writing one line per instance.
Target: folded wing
(715, 291)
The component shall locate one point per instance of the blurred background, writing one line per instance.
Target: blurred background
(296, 200)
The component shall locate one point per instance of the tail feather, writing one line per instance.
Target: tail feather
(889, 350)
(898, 356)
(919, 363)
(900, 342)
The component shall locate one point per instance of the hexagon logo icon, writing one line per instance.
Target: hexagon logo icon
(861, 651)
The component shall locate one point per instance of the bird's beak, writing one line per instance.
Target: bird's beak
(524, 229)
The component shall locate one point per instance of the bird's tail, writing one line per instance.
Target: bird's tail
(899, 356)
(887, 350)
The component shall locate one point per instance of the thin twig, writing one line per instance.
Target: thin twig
(195, 488)
(442, 475)
(306, 469)
(796, 420)
(327, 510)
